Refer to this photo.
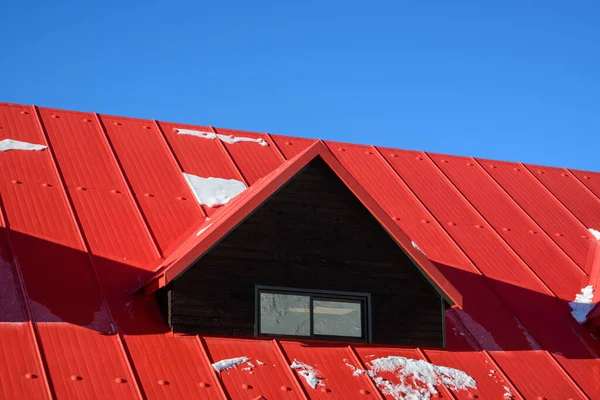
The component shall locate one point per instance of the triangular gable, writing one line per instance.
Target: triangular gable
(207, 234)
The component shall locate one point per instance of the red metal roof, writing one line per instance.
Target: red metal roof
(92, 217)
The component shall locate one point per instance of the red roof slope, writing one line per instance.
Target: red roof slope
(91, 217)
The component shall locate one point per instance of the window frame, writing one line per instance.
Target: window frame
(364, 299)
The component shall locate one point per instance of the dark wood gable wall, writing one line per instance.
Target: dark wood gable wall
(312, 234)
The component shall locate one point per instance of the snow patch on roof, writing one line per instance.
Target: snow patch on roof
(418, 378)
(595, 233)
(260, 362)
(483, 337)
(582, 304)
(507, 393)
(229, 139)
(214, 192)
(307, 372)
(10, 144)
(418, 248)
(41, 313)
(228, 363)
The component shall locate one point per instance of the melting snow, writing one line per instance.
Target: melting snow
(260, 362)
(507, 393)
(483, 337)
(214, 192)
(226, 364)
(230, 139)
(417, 247)
(595, 233)
(10, 144)
(418, 378)
(308, 372)
(582, 304)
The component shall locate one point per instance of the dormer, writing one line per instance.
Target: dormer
(304, 253)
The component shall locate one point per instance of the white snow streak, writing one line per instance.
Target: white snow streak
(307, 372)
(595, 233)
(214, 192)
(229, 139)
(201, 231)
(226, 364)
(582, 304)
(418, 378)
(507, 393)
(418, 248)
(10, 144)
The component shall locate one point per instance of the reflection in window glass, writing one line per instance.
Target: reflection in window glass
(284, 314)
(337, 318)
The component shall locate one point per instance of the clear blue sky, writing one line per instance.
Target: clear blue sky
(515, 80)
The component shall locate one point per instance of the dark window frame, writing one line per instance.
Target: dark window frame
(364, 299)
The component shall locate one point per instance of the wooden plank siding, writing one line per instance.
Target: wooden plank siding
(312, 234)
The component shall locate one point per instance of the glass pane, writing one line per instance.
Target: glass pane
(284, 314)
(337, 318)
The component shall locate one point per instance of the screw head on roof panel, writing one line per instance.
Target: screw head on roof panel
(204, 384)
(558, 234)
(24, 112)
(146, 127)
(120, 380)
(288, 143)
(181, 198)
(162, 382)
(436, 395)
(55, 116)
(444, 161)
(16, 182)
(29, 375)
(341, 149)
(76, 378)
(532, 232)
(541, 398)
(87, 120)
(368, 152)
(506, 229)
(472, 396)
(393, 154)
(116, 123)
(363, 391)
(115, 191)
(418, 158)
(285, 388)
(586, 177)
(479, 226)
(81, 188)
(492, 166)
(396, 218)
(325, 390)
(246, 386)
(46, 184)
(563, 174)
(517, 169)
(451, 223)
(541, 172)
(424, 221)
(148, 195)
(469, 164)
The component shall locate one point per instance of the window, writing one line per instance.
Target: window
(318, 314)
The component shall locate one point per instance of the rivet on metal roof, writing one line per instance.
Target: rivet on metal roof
(46, 184)
(76, 378)
(55, 116)
(444, 161)
(115, 191)
(120, 380)
(162, 382)
(175, 130)
(288, 143)
(558, 234)
(479, 226)
(472, 396)
(148, 195)
(363, 391)
(341, 149)
(16, 182)
(286, 388)
(146, 127)
(87, 120)
(541, 172)
(81, 188)
(532, 232)
(418, 158)
(517, 169)
(541, 398)
(368, 152)
(181, 198)
(204, 384)
(452, 223)
(506, 229)
(29, 375)
(424, 221)
(116, 123)
(396, 218)
(246, 386)
(436, 396)
(586, 177)
(469, 164)
(325, 390)
(24, 112)
(393, 154)
(563, 174)
(492, 166)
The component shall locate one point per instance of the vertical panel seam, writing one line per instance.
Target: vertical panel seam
(552, 195)
(177, 164)
(277, 149)
(82, 238)
(281, 354)
(229, 157)
(32, 326)
(498, 237)
(137, 207)
(215, 375)
(529, 217)
(566, 374)
(363, 366)
(423, 356)
(580, 183)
